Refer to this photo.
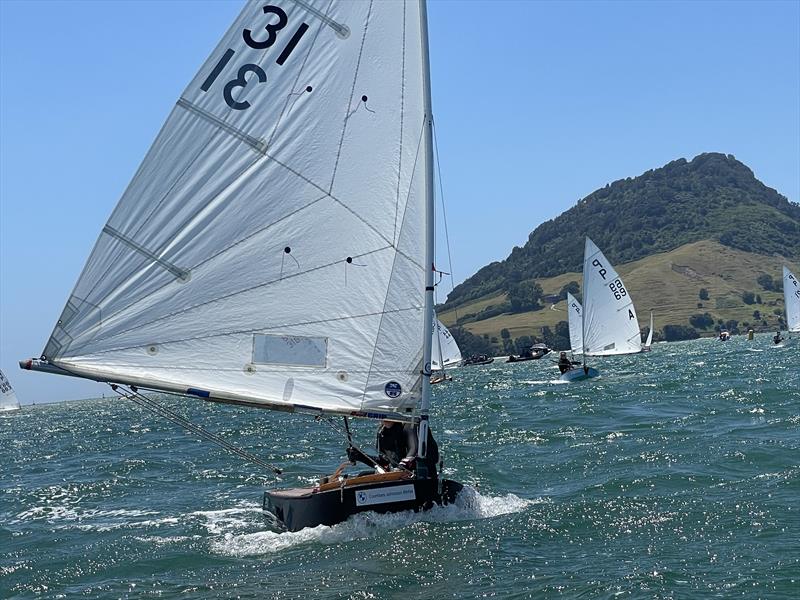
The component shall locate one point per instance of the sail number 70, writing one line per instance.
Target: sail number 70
(253, 40)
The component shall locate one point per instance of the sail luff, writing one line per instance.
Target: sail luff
(429, 233)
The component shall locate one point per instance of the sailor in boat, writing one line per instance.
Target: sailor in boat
(777, 339)
(396, 444)
(564, 363)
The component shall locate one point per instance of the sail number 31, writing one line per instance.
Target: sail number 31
(257, 41)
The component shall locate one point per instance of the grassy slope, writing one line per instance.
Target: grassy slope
(654, 283)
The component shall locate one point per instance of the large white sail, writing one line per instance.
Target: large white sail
(271, 248)
(575, 311)
(791, 299)
(445, 348)
(8, 398)
(610, 325)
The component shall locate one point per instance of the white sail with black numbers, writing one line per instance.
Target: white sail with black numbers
(791, 299)
(575, 311)
(271, 247)
(8, 398)
(445, 349)
(610, 325)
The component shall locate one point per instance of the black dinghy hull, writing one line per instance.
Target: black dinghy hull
(298, 508)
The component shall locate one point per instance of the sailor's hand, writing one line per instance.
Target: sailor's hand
(408, 463)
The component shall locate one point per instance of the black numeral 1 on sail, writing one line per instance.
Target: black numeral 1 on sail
(292, 43)
(212, 77)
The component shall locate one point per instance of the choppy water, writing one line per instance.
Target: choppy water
(675, 475)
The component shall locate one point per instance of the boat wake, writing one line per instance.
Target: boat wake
(470, 504)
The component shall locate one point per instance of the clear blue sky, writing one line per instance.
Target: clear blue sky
(537, 104)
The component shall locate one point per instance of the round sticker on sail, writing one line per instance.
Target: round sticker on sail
(393, 389)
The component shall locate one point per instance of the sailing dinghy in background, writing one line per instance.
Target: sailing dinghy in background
(275, 248)
(8, 398)
(649, 341)
(446, 353)
(791, 300)
(608, 318)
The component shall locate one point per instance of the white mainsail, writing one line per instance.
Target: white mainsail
(8, 398)
(575, 311)
(445, 349)
(610, 325)
(274, 247)
(649, 341)
(791, 299)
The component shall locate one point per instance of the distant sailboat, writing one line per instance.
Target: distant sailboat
(275, 248)
(649, 341)
(575, 319)
(608, 319)
(791, 300)
(447, 353)
(8, 398)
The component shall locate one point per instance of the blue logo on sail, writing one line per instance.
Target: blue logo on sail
(393, 389)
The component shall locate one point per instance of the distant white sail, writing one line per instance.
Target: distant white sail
(649, 341)
(610, 325)
(791, 298)
(575, 324)
(8, 398)
(271, 248)
(444, 344)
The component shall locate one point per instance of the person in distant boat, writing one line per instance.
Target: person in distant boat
(564, 363)
(777, 339)
(396, 443)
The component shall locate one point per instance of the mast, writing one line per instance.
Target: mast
(427, 333)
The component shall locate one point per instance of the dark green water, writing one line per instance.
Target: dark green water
(675, 475)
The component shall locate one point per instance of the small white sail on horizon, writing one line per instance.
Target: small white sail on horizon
(575, 320)
(8, 398)
(446, 353)
(274, 247)
(649, 341)
(791, 300)
(610, 325)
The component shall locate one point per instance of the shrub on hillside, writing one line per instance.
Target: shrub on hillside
(674, 333)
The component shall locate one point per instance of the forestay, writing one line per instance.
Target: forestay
(8, 398)
(575, 311)
(445, 347)
(610, 325)
(271, 247)
(791, 298)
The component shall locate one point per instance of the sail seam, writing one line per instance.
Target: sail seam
(350, 101)
(296, 80)
(257, 329)
(402, 119)
(232, 294)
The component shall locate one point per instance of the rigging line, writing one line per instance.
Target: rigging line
(402, 121)
(444, 213)
(163, 411)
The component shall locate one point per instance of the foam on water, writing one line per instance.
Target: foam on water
(470, 504)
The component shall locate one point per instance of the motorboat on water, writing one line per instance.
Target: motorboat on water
(535, 352)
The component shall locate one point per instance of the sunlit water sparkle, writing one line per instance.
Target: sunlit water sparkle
(674, 475)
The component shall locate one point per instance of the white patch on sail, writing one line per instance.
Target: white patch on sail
(610, 325)
(285, 196)
(791, 299)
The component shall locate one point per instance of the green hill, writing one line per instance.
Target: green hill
(708, 224)
(712, 197)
